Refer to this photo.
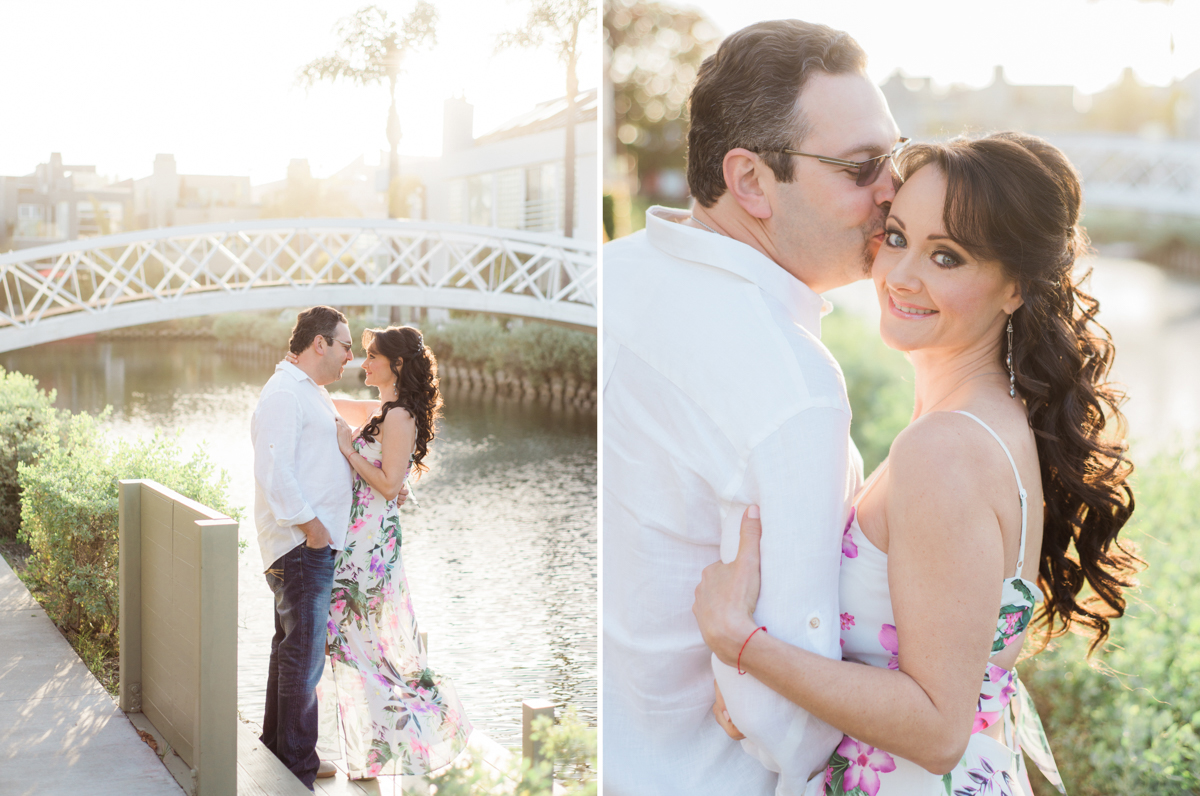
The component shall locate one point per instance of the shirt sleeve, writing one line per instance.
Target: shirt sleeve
(801, 478)
(277, 433)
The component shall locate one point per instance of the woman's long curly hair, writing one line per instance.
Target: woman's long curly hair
(415, 368)
(1016, 199)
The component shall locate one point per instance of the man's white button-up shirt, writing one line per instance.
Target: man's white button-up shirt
(299, 472)
(717, 394)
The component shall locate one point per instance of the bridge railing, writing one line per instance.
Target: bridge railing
(137, 277)
(1136, 174)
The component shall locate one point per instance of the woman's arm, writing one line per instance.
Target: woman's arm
(397, 434)
(945, 568)
(356, 413)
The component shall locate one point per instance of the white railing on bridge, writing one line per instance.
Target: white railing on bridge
(1135, 173)
(96, 284)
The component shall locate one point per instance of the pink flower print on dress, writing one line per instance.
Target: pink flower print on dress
(890, 642)
(849, 548)
(866, 763)
(847, 621)
(1010, 626)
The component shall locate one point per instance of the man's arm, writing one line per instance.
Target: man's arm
(276, 436)
(800, 477)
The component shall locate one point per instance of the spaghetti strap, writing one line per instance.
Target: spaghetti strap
(1020, 488)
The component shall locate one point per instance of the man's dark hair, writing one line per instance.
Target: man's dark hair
(747, 95)
(311, 322)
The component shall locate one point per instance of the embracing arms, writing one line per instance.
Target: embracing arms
(945, 567)
(397, 435)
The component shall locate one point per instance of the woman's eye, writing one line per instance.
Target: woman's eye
(946, 259)
(894, 240)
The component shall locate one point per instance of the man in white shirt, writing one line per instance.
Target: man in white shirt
(718, 394)
(302, 509)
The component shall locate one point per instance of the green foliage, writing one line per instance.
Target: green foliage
(879, 382)
(570, 743)
(1128, 722)
(536, 350)
(26, 418)
(69, 509)
(272, 329)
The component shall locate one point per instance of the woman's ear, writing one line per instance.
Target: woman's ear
(744, 171)
(1015, 300)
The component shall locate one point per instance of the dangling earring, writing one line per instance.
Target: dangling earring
(1012, 374)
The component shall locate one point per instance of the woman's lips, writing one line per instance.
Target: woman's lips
(911, 312)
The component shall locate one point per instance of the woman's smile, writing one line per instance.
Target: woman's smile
(902, 310)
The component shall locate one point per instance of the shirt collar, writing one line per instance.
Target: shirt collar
(293, 371)
(664, 231)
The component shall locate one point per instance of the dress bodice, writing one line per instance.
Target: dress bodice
(868, 635)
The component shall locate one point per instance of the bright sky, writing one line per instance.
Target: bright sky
(1085, 43)
(113, 83)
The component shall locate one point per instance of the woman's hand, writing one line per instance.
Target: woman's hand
(722, 716)
(345, 436)
(728, 594)
(292, 358)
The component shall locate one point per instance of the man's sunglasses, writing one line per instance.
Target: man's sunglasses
(347, 347)
(868, 169)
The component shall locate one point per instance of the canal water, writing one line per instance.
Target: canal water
(500, 555)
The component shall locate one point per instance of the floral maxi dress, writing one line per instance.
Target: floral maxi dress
(396, 715)
(988, 768)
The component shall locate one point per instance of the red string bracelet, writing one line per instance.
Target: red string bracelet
(743, 649)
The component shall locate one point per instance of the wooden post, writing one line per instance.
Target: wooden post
(216, 747)
(530, 710)
(129, 542)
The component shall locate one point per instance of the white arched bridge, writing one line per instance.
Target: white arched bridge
(1123, 173)
(97, 284)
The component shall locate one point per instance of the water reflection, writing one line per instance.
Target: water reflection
(501, 555)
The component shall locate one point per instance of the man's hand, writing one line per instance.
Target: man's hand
(318, 535)
(728, 594)
(722, 716)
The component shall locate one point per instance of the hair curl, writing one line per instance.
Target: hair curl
(415, 368)
(1016, 199)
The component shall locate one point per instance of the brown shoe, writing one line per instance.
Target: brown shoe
(326, 770)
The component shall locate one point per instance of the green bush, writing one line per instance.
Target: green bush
(26, 420)
(1128, 722)
(69, 510)
(536, 350)
(879, 382)
(268, 329)
(570, 744)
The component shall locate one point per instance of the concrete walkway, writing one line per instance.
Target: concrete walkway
(60, 731)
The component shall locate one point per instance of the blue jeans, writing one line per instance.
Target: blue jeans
(302, 580)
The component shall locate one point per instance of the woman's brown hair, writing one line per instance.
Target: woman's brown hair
(415, 369)
(1016, 199)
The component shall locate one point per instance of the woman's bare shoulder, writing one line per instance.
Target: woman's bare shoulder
(946, 454)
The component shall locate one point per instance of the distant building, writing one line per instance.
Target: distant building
(60, 202)
(169, 199)
(513, 176)
(1128, 107)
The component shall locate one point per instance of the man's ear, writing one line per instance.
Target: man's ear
(744, 172)
(319, 345)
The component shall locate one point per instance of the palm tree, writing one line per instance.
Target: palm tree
(372, 49)
(557, 23)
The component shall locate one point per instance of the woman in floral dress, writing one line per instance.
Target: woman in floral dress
(1008, 489)
(397, 716)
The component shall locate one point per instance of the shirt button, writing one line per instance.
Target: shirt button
(814, 623)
